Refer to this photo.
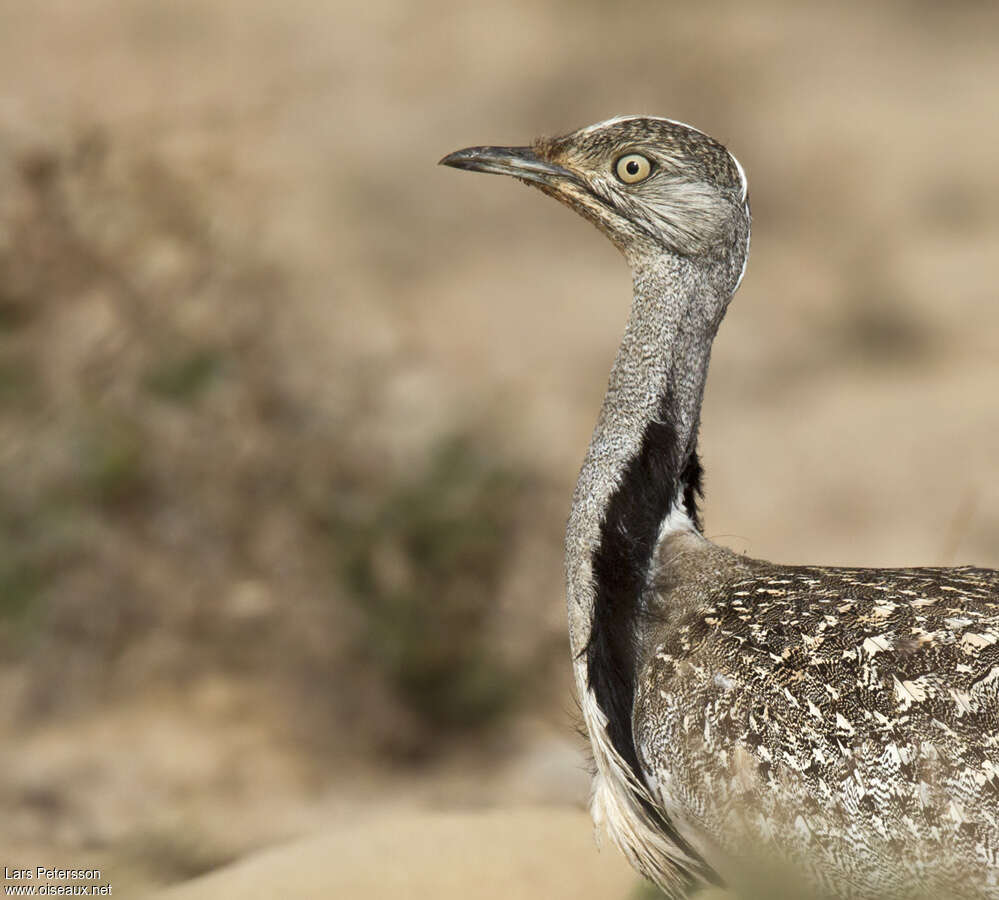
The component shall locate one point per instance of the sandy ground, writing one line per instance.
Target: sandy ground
(420, 854)
(251, 189)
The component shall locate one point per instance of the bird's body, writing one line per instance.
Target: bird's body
(743, 715)
(848, 717)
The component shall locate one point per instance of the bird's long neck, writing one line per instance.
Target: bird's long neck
(640, 474)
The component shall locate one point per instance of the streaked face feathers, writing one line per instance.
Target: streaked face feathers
(690, 202)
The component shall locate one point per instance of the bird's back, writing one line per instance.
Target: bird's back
(846, 720)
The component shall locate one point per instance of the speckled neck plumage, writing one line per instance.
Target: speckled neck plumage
(641, 476)
(640, 468)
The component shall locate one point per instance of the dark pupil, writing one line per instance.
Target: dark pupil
(631, 167)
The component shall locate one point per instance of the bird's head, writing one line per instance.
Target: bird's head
(651, 185)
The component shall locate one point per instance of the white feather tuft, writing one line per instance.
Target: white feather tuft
(618, 807)
(676, 520)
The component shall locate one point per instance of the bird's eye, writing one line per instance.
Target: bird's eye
(632, 168)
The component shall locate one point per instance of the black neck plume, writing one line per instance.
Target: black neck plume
(650, 484)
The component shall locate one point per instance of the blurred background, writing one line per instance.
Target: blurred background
(290, 416)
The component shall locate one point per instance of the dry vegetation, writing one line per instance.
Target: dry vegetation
(181, 525)
(289, 418)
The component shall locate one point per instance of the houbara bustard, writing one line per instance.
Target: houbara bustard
(840, 723)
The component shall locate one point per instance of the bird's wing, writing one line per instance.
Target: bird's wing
(846, 718)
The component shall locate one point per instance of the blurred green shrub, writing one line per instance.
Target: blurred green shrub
(19, 388)
(33, 547)
(182, 378)
(646, 890)
(423, 564)
(21, 583)
(112, 462)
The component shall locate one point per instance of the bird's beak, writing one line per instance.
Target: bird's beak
(521, 162)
